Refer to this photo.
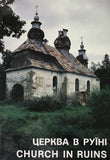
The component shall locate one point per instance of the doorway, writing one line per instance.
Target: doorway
(17, 93)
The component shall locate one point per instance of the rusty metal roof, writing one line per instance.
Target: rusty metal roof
(69, 64)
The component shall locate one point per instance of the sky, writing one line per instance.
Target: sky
(89, 19)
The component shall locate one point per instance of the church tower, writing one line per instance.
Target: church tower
(82, 58)
(35, 33)
(62, 42)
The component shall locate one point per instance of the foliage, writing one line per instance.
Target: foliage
(106, 62)
(100, 104)
(19, 124)
(2, 83)
(45, 103)
(6, 61)
(1, 45)
(10, 23)
(94, 66)
(102, 71)
(7, 55)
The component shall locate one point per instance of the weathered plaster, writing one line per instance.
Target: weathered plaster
(37, 83)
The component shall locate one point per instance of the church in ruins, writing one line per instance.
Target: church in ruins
(38, 69)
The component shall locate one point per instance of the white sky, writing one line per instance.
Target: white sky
(87, 18)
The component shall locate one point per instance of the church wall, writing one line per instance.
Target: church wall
(82, 82)
(38, 82)
(21, 77)
(73, 95)
(43, 82)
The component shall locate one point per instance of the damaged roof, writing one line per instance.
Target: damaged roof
(68, 63)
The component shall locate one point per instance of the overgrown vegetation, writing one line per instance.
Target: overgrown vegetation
(100, 105)
(2, 83)
(102, 71)
(20, 123)
(10, 25)
(45, 103)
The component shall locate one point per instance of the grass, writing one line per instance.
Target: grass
(19, 123)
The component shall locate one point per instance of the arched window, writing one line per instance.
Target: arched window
(88, 86)
(77, 85)
(54, 83)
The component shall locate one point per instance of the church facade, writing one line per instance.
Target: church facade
(37, 69)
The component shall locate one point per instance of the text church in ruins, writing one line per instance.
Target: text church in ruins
(37, 69)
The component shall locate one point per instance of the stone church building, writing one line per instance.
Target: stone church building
(37, 69)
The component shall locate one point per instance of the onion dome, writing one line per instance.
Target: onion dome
(62, 41)
(82, 51)
(82, 58)
(35, 32)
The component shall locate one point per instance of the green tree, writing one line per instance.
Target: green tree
(10, 25)
(99, 101)
(6, 56)
(2, 83)
(102, 71)
(1, 46)
(106, 62)
(94, 66)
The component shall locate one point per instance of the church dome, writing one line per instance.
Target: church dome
(36, 33)
(82, 57)
(62, 41)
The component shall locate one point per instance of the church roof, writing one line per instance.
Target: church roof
(34, 52)
(68, 64)
(43, 65)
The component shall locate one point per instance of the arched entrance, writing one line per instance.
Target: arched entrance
(17, 93)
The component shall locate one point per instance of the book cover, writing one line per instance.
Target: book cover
(54, 103)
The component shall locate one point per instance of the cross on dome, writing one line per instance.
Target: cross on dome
(36, 9)
(82, 46)
(81, 39)
(35, 32)
(36, 17)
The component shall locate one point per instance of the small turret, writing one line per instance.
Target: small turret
(35, 32)
(82, 58)
(62, 42)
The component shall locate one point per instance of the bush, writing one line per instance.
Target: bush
(2, 83)
(100, 104)
(19, 126)
(46, 103)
